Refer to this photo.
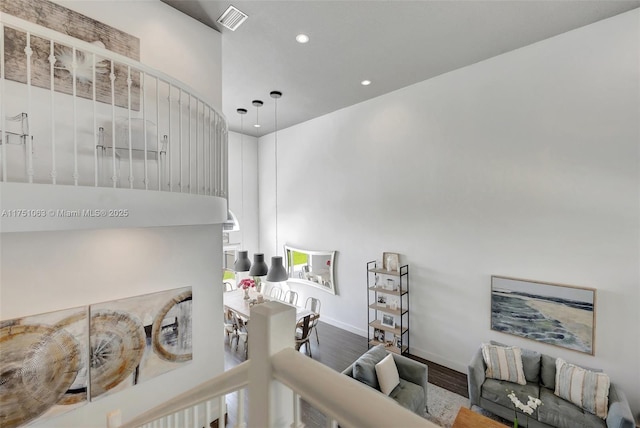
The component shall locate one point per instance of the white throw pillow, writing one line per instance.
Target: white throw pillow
(504, 363)
(584, 388)
(387, 373)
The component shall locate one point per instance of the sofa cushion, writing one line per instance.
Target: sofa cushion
(530, 363)
(387, 374)
(496, 391)
(560, 413)
(582, 387)
(548, 372)
(409, 395)
(364, 368)
(503, 363)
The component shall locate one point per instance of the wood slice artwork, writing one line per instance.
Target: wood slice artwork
(38, 364)
(117, 342)
(171, 330)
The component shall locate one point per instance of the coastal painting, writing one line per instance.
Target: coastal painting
(555, 314)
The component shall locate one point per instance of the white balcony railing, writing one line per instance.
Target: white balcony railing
(85, 116)
(277, 377)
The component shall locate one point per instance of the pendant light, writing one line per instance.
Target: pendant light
(277, 273)
(242, 263)
(257, 104)
(259, 267)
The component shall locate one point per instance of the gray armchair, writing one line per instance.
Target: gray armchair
(411, 393)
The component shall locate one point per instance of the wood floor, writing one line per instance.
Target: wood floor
(338, 349)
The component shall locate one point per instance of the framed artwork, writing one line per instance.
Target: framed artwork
(391, 262)
(74, 24)
(378, 335)
(138, 338)
(388, 320)
(555, 314)
(44, 365)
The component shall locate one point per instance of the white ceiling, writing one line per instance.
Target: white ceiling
(392, 43)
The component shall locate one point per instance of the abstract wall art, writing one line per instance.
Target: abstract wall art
(138, 338)
(43, 366)
(556, 314)
(52, 363)
(67, 21)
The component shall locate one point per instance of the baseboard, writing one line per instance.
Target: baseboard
(343, 326)
(438, 359)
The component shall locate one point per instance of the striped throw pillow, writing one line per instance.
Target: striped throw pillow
(504, 363)
(584, 388)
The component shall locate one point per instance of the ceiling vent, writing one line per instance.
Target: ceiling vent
(232, 18)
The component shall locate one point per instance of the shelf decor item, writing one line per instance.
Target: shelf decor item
(391, 262)
(388, 321)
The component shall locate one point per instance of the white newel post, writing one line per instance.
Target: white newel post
(271, 329)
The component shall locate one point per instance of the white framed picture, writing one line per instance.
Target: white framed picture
(388, 320)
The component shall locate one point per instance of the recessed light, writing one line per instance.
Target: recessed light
(257, 125)
(365, 82)
(302, 38)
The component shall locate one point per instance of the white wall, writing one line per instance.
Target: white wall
(49, 271)
(524, 165)
(243, 193)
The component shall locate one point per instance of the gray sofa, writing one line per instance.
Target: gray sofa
(411, 393)
(540, 372)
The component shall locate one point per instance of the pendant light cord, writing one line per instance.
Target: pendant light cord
(276, 164)
(242, 177)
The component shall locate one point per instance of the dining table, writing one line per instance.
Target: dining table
(235, 301)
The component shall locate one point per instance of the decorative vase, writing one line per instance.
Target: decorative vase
(246, 294)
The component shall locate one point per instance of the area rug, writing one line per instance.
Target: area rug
(444, 406)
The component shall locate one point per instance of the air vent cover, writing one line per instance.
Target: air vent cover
(232, 18)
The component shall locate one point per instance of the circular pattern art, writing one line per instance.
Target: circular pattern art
(39, 363)
(117, 345)
(171, 329)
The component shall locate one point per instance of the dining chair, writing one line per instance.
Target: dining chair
(241, 333)
(229, 326)
(304, 327)
(313, 305)
(275, 293)
(290, 297)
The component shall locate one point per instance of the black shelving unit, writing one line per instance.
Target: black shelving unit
(380, 299)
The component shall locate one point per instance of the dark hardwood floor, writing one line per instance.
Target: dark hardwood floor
(338, 349)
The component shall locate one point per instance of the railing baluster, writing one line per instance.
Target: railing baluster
(158, 147)
(3, 97)
(74, 71)
(129, 81)
(241, 417)
(211, 158)
(222, 410)
(189, 145)
(169, 149)
(207, 164)
(180, 141)
(95, 120)
(28, 143)
(196, 146)
(112, 78)
(52, 62)
(143, 87)
(296, 410)
(208, 413)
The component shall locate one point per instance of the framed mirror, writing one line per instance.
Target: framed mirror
(309, 267)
